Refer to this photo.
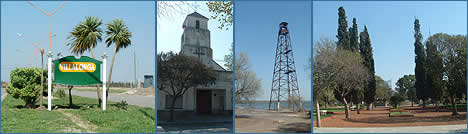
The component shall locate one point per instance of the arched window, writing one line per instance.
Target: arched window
(197, 24)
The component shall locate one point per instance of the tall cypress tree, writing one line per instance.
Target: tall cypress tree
(434, 73)
(420, 59)
(354, 37)
(365, 49)
(343, 36)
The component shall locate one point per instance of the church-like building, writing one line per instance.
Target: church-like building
(214, 98)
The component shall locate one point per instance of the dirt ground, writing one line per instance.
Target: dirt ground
(378, 117)
(251, 121)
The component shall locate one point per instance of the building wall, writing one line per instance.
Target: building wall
(224, 84)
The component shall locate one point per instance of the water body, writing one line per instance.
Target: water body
(264, 105)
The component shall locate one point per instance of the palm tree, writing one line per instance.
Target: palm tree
(118, 34)
(84, 37)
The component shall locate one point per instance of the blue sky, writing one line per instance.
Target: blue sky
(256, 32)
(170, 29)
(21, 17)
(390, 25)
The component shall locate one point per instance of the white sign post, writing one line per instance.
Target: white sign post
(49, 81)
(104, 81)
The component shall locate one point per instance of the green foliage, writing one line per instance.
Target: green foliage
(25, 84)
(60, 92)
(420, 59)
(434, 82)
(404, 85)
(396, 99)
(354, 37)
(117, 32)
(222, 12)
(122, 105)
(85, 35)
(343, 35)
(365, 48)
(383, 91)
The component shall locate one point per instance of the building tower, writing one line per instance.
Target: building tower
(284, 84)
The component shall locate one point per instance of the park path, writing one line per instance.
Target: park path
(418, 129)
(143, 101)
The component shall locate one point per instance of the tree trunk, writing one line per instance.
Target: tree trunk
(437, 106)
(110, 72)
(97, 86)
(317, 111)
(424, 104)
(346, 108)
(368, 106)
(454, 105)
(172, 108)
(411, 103)
(42, 82)
(70, 96)
(359, 108)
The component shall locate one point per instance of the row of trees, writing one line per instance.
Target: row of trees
(86, 35)
(440, 70)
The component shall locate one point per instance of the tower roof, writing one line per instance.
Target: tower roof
(196, 14)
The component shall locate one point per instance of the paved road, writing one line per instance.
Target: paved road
(143, 101)
(196, 128)
(419, 129)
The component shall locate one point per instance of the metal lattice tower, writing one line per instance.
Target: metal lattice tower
(284, 84)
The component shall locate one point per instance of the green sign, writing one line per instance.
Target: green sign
(83, 71)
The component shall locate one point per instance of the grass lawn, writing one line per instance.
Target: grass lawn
(117, 90)
(400, 113)
(17, 119)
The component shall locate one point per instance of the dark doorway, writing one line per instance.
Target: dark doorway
(204, 101)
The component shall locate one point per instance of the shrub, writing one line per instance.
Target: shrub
(25, 84)
(60, 93)
(122, 105)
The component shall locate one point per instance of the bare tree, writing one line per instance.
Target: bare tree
(337, 69)
(247, 83)
(178, 73)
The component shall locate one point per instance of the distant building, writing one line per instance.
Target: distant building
(148, 82)
(214, 98)
(389, 83)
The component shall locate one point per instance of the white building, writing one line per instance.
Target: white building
(214, 98)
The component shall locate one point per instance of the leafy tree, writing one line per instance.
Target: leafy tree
(118, 34)
(404, 84)
(222, 11)
(452, 48)
(354, 37)
(383, 91)
(365, 48)
(405, 87)
(84, 37)
(420, 59)
(178, 73)
(343, 36)
(434, 73)
(396, 99)
(25, 84)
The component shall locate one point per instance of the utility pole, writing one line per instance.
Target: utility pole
(134, 67)
(50, 26)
